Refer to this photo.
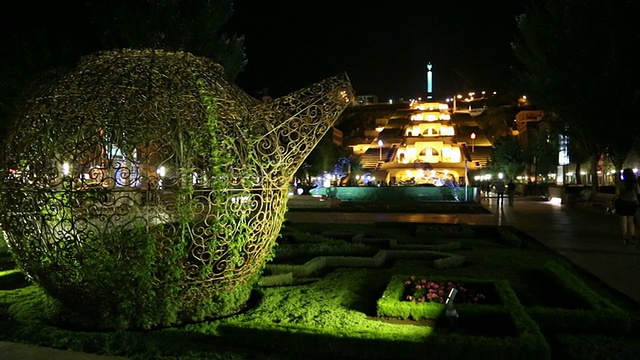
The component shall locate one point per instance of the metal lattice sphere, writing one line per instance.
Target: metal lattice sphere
(142, 189)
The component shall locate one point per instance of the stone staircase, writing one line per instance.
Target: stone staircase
(371, 160)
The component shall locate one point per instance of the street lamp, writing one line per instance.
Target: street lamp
(473, 140)
(455, 99)
(380, 144)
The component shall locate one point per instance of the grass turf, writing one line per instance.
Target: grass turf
(332, 313)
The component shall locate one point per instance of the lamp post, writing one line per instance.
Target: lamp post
(473, 140)
(380, 144)
(455, 98)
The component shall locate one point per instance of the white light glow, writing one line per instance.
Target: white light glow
(555, 201)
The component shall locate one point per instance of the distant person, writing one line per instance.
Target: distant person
(485, 188)
(626, 204)
(511, 191)
(500, 188)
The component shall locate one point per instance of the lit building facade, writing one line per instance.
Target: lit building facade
(422, 151)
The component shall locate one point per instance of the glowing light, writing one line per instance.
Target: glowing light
(555, 201)
(65, 169)
(162, 171)
(240, 199)
(447, 130)
(429, 79)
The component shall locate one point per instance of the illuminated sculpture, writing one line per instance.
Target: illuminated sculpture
(144, 190)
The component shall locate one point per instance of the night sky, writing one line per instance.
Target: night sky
(383, 48)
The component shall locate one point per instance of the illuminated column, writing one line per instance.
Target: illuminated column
(429, 81)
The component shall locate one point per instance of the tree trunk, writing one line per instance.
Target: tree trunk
(594, 173)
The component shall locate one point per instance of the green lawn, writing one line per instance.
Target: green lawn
(320, 298)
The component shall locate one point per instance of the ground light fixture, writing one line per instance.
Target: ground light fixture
(452, 313)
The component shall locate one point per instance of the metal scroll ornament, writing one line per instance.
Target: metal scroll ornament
(142, 189)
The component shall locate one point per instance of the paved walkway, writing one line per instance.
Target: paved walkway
(15, 351)
(589, 238)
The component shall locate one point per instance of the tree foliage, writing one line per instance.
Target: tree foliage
(508, 156)
(577, 63)
(542, 150)
(59, 33)
(175, 25)
(323, 158)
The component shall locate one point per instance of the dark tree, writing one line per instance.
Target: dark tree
(507, 155)
(323, 158)
(542, 149)
(175, 25)
(54, 35)
(577, 63)
(35, 40)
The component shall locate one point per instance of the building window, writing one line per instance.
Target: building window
(429, 151)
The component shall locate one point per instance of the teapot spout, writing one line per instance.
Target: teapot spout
(295, 123)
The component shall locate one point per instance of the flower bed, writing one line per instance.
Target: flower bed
(415, 297)
(423, 290)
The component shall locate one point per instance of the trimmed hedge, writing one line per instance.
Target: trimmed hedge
(446, 260)
(603, 317)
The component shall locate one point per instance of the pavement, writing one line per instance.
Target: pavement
(17, 351)
(590, 238)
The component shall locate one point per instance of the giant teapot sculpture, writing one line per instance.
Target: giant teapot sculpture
(142, 189)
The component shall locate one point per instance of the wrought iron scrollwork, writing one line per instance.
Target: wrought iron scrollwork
(132, 140)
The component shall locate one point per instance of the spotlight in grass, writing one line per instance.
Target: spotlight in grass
(452, 313)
